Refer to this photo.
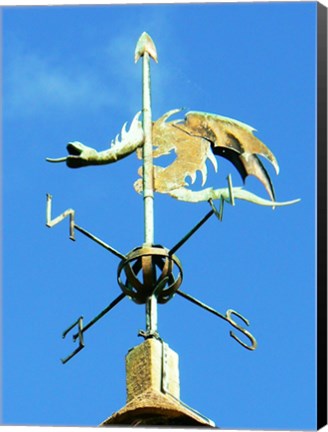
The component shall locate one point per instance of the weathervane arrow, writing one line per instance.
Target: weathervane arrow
(145, 45)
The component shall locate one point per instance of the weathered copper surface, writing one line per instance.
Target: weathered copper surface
(196, 139)
(234, 141)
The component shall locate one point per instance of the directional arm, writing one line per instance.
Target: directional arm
(82, 330)
(72, 227)
(227, 317)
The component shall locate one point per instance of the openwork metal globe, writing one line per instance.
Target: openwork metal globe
(150, 271)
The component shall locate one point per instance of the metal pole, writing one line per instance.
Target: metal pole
(148, 178)
(146, 49)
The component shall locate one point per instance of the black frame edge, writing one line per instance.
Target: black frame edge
(321, 216)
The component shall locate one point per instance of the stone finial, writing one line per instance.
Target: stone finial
(152, 366)
(153, 390)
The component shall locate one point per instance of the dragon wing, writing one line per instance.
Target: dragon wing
(234, 141)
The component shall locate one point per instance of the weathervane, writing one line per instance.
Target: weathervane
(151, 273)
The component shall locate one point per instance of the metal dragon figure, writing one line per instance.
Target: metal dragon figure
(195, 140)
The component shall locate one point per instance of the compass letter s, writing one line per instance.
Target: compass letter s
(253, 345)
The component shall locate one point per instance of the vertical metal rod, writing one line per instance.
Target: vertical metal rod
(148, 186)
(146, 49)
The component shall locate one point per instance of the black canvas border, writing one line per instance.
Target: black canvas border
(321, 215)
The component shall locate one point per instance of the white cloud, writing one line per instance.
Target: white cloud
(32, 82)
(35, 80)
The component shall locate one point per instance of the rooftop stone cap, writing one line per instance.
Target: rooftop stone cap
(153, 390)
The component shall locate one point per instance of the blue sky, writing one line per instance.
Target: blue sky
(68, 74)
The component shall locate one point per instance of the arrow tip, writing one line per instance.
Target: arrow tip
(145, 44)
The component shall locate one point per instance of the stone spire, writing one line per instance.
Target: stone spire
(153, 390)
